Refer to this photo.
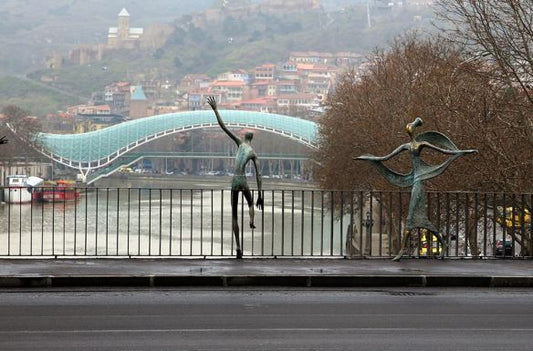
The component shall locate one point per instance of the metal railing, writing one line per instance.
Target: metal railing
(131, 222)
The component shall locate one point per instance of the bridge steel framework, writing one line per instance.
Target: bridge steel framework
(97, 149)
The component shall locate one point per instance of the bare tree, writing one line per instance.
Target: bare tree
(21, 130)
(433, 80)
(499, 29)
(454, 94)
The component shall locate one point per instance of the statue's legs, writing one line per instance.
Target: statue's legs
(250, 201)
(235, 221)
(403, 245)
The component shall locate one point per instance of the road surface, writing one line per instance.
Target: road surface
(266, 319)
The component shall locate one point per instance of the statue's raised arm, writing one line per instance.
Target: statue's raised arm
(213, 103)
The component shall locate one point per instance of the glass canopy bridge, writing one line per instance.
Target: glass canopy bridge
(95, 150)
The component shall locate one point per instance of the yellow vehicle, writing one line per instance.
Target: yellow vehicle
(424, 245)
(126, 170)
(513, 217)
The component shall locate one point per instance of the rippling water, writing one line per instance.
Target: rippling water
(172, 217)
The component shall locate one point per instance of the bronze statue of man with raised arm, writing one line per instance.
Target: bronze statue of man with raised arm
(245, 153)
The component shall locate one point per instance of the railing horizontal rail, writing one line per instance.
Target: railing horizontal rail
(93, 222)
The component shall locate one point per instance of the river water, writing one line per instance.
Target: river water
(173, 216)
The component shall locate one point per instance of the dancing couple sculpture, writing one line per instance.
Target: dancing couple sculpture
(417, 216)
(245, 153)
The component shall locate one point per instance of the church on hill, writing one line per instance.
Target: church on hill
(124, 36)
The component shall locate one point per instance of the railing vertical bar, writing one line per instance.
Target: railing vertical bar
(523, 224)
(129, 220)
(485, 224)
(475, 224)
(107, 223)
(457, 215)
(118, 219)
(380, 224)
(96, 223)
(531, 227)
(341, 214)
(139, 223)
(467, 222)
(322, 223)
(439, 222)
(150, 222)
(75, 221)
(302, 224)
(429, 235)
(351, 224)
(448, 215)
(312, 222)
(160, 221)
(191, 229)
(9, 223)
(282, 222)
(181, 222)
(64, 225)
(370, 226)
(222, 222)
(361, 205)
(390, 217)
(513, 223)
(400, 216)
(331, 228)
(201, 221)
(53, 221)
(503, 218)
(253, 230)
(494, 222)
(263, 225)
(171, 221)
(212, 222)
(86, 220)
(292, 222)
(31, 227)
(273, 230)
(20, 223)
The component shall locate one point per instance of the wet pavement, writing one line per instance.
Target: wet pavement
(300, 272)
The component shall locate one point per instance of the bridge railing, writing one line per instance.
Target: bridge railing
(127, 222)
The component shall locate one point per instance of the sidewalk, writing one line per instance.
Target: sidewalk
(288, 272)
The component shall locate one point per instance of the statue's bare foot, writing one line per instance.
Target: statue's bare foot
(239, 254)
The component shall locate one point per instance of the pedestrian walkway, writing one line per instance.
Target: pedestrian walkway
(229, 272)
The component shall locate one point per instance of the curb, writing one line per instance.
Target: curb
(321, 281)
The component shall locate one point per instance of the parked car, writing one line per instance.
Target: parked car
(504, 248)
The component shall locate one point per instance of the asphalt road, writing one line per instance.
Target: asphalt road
(264, 319)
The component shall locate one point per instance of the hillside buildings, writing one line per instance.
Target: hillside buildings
(296, 87)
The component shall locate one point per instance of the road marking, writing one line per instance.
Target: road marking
(204, 330)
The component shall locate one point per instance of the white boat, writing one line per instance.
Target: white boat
(20, 188)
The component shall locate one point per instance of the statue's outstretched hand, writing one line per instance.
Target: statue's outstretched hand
(212, 102)
(3, 140)
(260, 202)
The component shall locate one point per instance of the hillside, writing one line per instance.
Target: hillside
(229, 42)
(32, 29)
